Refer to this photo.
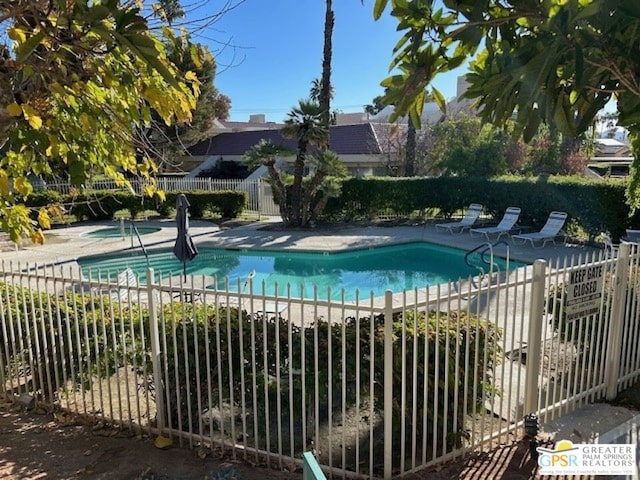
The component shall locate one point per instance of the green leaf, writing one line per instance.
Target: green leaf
(196, 56)
(574, 96)
(393, 81)
(628, 118)
(531, 128)
(419, 102)
(149, 56)
(141, 41)
(97, 13)
(469, 35)
(439, 99)
(562, 116)
(76, 170)
(589, 113)
(415, 116)
(401, 43)
(25, 49)
(456, 61)
(378, 8)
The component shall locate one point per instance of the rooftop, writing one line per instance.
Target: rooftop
(363, 138)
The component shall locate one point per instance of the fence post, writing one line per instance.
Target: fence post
(534, 338)
(616, 321)
(388, 384)
(258, 190)
(155, 349)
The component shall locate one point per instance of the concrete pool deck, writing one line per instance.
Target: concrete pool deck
(65, 244)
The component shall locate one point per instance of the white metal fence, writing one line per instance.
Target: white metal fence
(377, 387)
(259, 196)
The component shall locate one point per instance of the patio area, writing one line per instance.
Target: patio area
(65, 244)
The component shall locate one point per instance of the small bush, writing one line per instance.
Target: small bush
(268, 350)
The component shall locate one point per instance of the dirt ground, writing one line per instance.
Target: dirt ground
(40, 445)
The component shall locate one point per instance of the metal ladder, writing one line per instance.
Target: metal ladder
(482, 250)
(134, 229)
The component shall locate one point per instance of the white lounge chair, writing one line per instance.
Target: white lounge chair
(549, 232)
(509, 219)
(473, 212)
(610, 248)
(98, 285)
(127, 280)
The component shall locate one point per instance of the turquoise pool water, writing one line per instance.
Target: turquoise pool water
(395, 267)
(111, 232)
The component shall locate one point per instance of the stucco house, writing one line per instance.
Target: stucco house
(367, 145)
(366, 149)
(612, 157)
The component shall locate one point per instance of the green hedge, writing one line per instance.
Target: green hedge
(227, 204)
(102, 205)
(594, 205)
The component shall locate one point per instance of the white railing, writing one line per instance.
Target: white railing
(376, 387)
(259, 197)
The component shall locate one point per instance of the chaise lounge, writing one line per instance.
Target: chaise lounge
(473, 212)
(549, 232)
(509, 219)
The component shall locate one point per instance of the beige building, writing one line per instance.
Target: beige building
(366, 149)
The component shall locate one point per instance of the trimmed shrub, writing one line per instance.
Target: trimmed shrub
(268, 351)
(103, 205)
(227, 204)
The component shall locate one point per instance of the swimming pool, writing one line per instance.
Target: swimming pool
(394, 267)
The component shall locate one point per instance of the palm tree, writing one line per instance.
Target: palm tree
(265, 152)
(316, 89)
(305, 124)
(324, 99)
(301, 197)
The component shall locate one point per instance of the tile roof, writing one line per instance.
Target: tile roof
(358, 139)
(237, 126)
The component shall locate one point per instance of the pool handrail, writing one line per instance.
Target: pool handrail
(144, 250)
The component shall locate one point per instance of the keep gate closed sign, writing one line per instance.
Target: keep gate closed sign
(584, 292)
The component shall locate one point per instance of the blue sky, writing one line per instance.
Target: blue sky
(275, 51)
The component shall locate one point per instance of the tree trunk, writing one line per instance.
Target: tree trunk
(325, 87)
(315, 204)
(295, 200)
(279, 193)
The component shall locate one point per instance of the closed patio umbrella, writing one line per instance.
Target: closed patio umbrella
(184, 248)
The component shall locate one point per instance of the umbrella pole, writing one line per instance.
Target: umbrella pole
(184, 270)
